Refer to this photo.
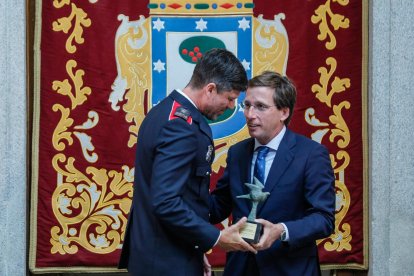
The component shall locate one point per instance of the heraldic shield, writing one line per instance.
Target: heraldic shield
(157, 54)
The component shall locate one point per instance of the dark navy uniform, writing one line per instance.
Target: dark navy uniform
(168, 229)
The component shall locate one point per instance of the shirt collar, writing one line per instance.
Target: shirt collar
(185, 96)
(274, 143)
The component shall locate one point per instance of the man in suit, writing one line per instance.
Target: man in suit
(168, 230)
(298, 176)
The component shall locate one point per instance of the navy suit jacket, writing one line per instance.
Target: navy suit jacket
(168, 229)
(301, 186)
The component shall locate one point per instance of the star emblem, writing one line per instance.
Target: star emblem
(246, 64)
(201, 25)
(159, 66)
(240, 109)
(158, 24)
(244, 24)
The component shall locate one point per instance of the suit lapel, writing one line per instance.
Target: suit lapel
(245, 167)
(283, 158)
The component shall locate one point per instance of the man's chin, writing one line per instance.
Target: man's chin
(213, 117)
(253, 132)
(252, 129)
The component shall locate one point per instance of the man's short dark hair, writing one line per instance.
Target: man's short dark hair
(284, 90)
(221, 67)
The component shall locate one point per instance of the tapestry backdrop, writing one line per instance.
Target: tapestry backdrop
(101, 65)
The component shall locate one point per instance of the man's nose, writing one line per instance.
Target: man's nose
(249, 112)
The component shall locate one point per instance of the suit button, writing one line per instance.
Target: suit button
(207, 173)
(196, 247)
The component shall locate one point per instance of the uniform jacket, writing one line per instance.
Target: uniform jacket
(168, 229)
(301, 186)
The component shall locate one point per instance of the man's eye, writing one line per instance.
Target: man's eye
(261, 107)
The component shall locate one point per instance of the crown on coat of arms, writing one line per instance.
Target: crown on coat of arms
(194, 7)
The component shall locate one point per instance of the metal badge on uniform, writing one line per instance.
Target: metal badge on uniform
(182, 112)
(209, 153)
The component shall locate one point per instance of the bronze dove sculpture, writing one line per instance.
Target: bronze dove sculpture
(256, 195)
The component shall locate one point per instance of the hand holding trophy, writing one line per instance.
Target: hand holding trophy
(251, 231)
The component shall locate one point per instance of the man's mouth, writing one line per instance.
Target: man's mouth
(250, 125)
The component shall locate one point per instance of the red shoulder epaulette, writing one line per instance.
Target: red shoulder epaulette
(178, 111)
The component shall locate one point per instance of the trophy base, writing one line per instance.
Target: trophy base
(251, 232)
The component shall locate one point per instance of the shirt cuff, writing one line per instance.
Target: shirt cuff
(287, 231)
(217, 239)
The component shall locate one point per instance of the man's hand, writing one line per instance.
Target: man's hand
(207, 266)
(271, 232)
(230, 239)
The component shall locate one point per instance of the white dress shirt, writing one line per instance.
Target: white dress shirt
(273, 145)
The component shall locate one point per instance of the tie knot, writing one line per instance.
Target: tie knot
(262, 151)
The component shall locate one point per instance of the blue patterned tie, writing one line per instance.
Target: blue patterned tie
(259, 166)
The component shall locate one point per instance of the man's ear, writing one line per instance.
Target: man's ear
(210, 87)
(285, 113)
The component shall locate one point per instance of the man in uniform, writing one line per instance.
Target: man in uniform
(168, 230)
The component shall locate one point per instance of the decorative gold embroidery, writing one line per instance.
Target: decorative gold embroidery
(324, 91)
(336, 21)
(340, 134)
(60, 131)
(64, 24)
(85, 140)
(88, 207)
(330, 85)
(338, 85)
(58, 4)
(341, 238)
(270, 45)
(78, 96)
(341, 129)
(134, 73)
